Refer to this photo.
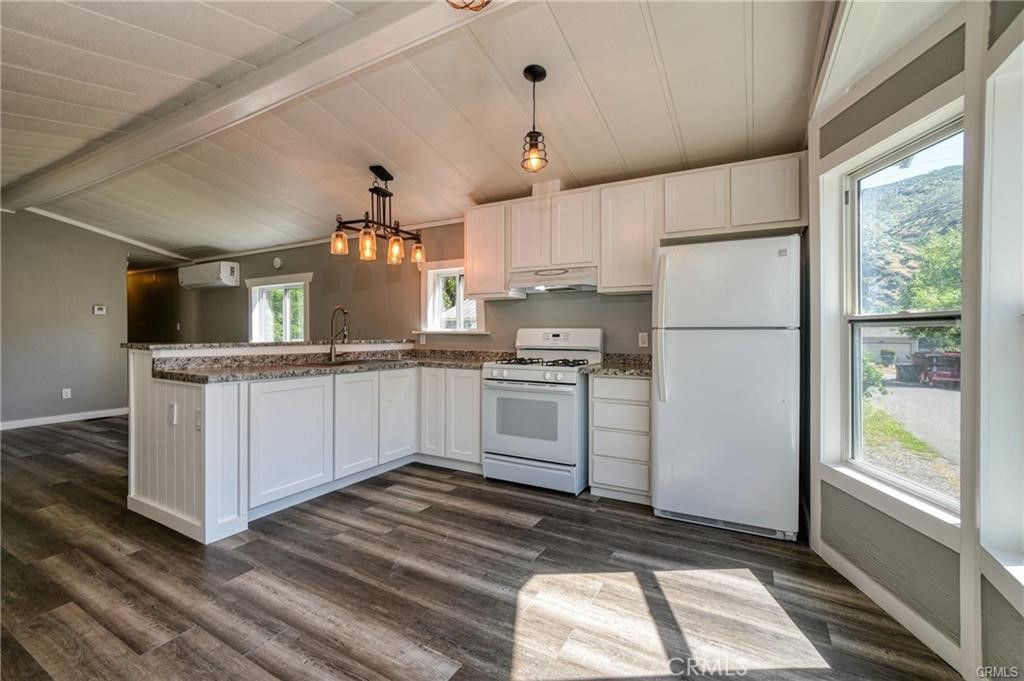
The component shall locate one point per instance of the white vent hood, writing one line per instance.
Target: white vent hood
(555, 279)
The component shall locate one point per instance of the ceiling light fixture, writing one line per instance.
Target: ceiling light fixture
(377, 224)
(535, 155)
(471, 5)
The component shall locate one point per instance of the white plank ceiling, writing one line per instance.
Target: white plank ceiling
(634, 88)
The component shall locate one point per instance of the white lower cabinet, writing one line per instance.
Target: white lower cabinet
(450, 413)
(399, 394)
(355, 422)
(462, 415)
(290, 437)
(620, 439)
(432, 411)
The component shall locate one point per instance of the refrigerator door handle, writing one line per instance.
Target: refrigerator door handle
(659, 364)
(659, 292)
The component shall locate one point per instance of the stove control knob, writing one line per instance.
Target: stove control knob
(504, 373)
(559, 376)
(494, 373)
(547, 375)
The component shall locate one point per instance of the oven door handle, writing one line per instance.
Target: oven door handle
(535, 388)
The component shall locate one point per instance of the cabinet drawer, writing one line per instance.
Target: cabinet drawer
(622, 445)
(632, 389)
(625, 474)
(622, 416)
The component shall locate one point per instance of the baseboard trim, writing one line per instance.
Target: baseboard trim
(621, 495)
(165, 516)
(63, 418)
(887, 601)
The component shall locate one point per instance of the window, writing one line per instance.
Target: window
(279, 308)
(905, 219)
(445, 306)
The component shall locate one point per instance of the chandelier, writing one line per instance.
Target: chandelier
(471, 5)
(375, 224)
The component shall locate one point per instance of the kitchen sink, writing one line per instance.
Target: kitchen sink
(335, 363)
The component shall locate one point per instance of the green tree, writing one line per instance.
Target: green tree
(936, 285)
(871, 378)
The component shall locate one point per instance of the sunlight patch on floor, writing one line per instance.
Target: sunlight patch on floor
(629, 625)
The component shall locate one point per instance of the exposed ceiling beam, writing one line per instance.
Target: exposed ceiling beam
(372, 37)
(107, 233)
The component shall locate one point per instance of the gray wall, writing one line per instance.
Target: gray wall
(1002, 630)
(938, 64)
(1001, 15)
(52, 274)
(383, 302)
(918, 570)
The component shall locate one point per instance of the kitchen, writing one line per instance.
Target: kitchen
(387, 383)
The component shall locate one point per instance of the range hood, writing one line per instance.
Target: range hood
(555, 279)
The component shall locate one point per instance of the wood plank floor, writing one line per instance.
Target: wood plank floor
(418, 574)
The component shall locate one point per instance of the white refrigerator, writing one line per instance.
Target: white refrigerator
(726, 385)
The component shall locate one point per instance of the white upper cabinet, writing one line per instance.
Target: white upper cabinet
(766, 191)
(355, 422)
(696, 201)
(529, 229)
(486, 267)
(399, 395)
(629, 215)
(572, 229)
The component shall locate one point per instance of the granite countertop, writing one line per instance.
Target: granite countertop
(244, 344)
(247, 372)
(638, 366)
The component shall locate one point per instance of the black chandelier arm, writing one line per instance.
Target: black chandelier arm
(383, 231)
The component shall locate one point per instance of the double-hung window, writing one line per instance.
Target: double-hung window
(279, 308)
(905, 228)
(445, 307)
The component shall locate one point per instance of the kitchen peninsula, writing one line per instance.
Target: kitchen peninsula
(224, 433)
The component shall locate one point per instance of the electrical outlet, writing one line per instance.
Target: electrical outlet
(423, 339)
(199, 419)
(172, 413)
(643, 339)
(177, 326)
(99, 309)
(65, 393)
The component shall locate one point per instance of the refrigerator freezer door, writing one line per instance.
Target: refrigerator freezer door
(748, 284)
(725, 442)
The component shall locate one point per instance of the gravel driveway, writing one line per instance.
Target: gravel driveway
(932, 414)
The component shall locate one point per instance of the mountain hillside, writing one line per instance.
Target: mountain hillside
(899, 222)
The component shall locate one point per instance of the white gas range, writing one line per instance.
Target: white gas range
(535, 409)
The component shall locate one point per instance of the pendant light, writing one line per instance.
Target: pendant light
(339, 240)
(396, 249)
(418, 255)
(367, 244)
(471, 5)
(535, 155)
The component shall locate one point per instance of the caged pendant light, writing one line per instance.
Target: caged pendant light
(375, 224)
(471, 5)
(535, 155)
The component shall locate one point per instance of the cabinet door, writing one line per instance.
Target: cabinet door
(529, 230)
(695, 201)
(398, 413)
(572, 229)
(432, 411)
(628, 223)
(290, 437)
(355, 422)
(485, 251)
(766, 191)
(462, 415)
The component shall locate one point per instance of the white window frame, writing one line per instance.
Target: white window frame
(257, 285)
(429, 271)
(853, 318)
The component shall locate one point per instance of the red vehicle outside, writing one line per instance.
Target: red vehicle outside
(940, 368)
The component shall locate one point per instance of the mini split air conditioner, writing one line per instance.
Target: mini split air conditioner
(209, 275)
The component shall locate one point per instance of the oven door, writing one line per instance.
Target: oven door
(531, 420)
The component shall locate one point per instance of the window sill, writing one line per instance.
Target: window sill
(451, 332)
(1005, 570)
(929, 519)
